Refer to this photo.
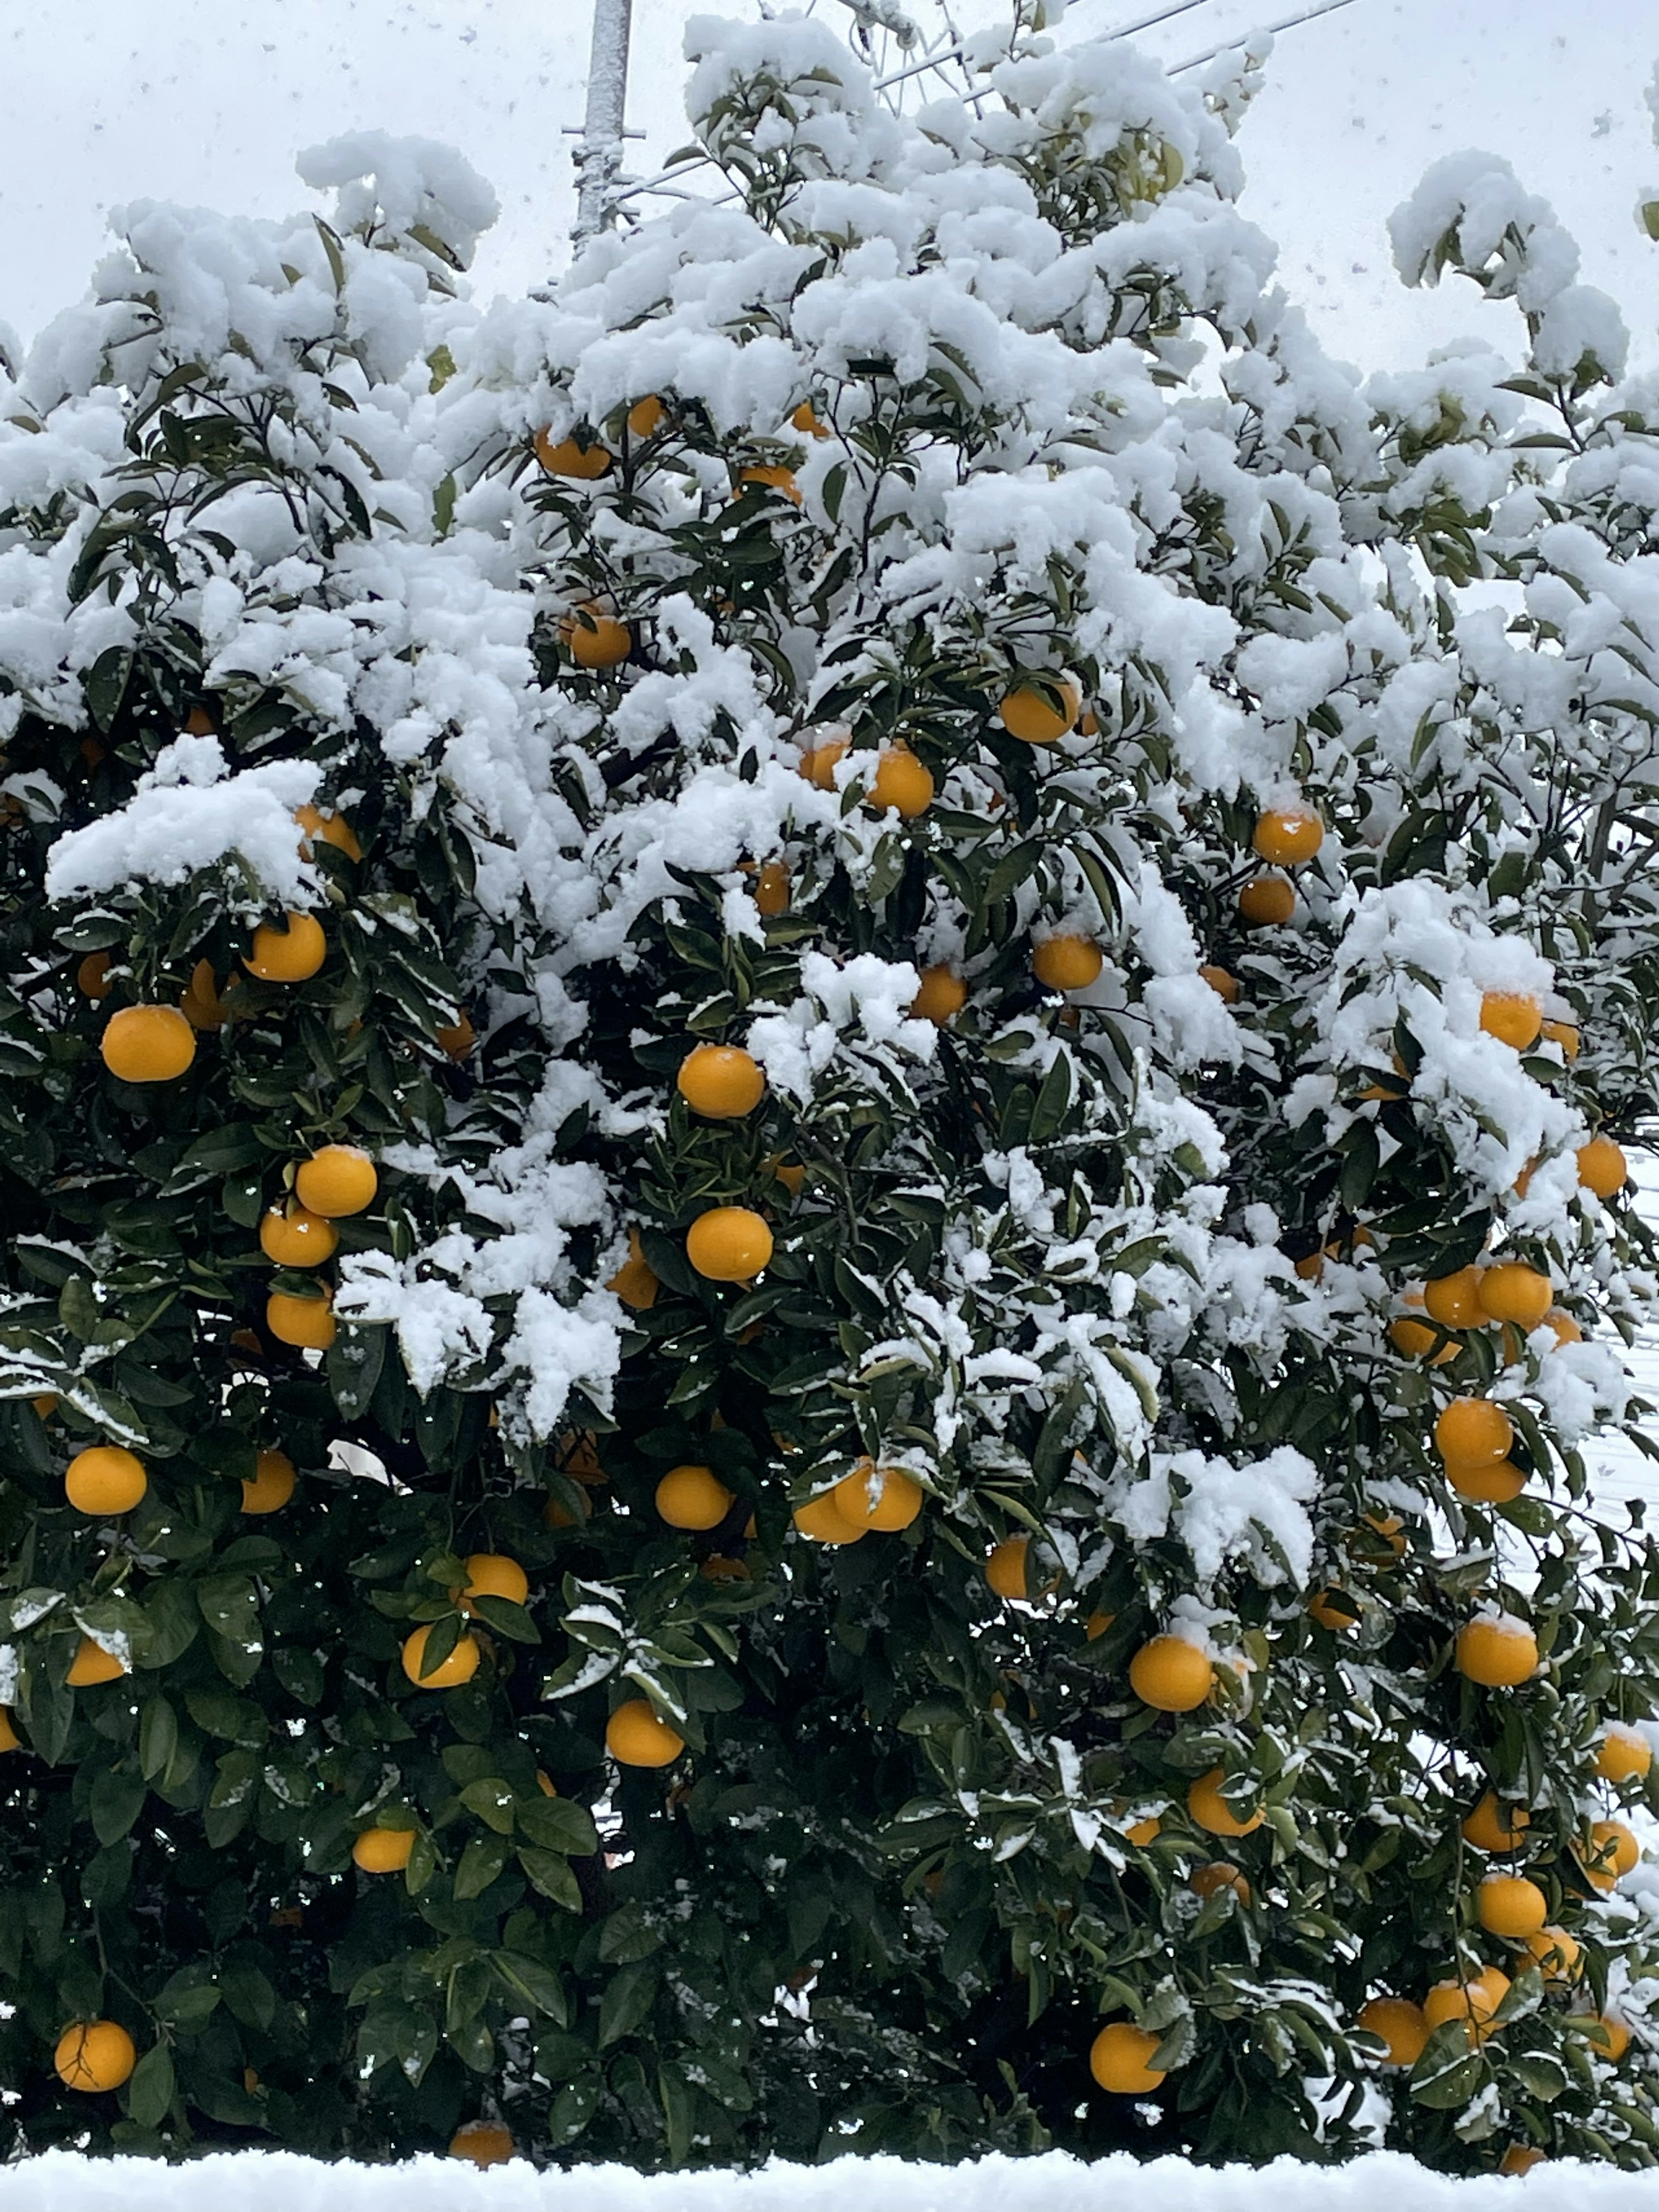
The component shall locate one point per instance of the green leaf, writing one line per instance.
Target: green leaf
(481, 1862)
(150, 2089)
(117, 1800)
(628, 1996)
(558, 1824)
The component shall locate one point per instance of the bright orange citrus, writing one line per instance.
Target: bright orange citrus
(484, 2143)
(635, 1737)
(1512, 1291)
(308, 1324)
(1287, 835)
(1004, 1568)
(1471, 1429)
(1400, 2025)
(728, 1244)
(272, 1485)
(383, 1850)
(329, 829)
(1509, 1905)
(720, 1081)
(1499, 1654)
(1067, 964)
(1455, 1300)
(1622, 1754)
(1211, 1810)
(693, 1497)
(585, 464)
(1120, 2058)
(1602, 1167)
(1512, 1017)
(902, 782)
(1041, 716)
(336, 1181)
(105, 1479)
(1170, 1675)
(1266, 902)
(596, 640)
(92, 1664)
(147, 1044)
(93, 2055)
(461, 1665)
(294, 1237)
(1496, 1827)
(884, 1498)
(288, 955)
(941, 998)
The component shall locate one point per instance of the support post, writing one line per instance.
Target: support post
(598, 157)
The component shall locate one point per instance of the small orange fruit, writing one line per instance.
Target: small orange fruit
(772, 890)
(1220, 1873)
(942, 996)
(1622, 1754)
(1610, 2037)
(456, 1039)
(1473, 1430)
(720, 1081)
(594, 640)
(771, 476)
(294, 1237)
(823, 1521)
(92, 977)
(879, 1497)
(1474, 2001)
(1416, 1339)
(1400, 2023)
(1513, 1291)
(634, 1282)
(1211, 1810)
(1286, 835)
(1097, 1625)
(491, 1574)
(1455, 1300)
(147, 1044)
(1225, 985)
(1565, 1034)
(288, 954)
(9, 1739)
(1120, 2058)
(1266, 902)
(584, 464)
(1004, 1568)
(105, 1479)
(92, 1664)
(1514, 1017)
(1498, 1654)
(635, 1737)
(329, 828)
(1490, 1482)
(1171, 1674)
(1566, 1330)
(1556, 1953)
(1519, 2158)
(1602, 1167)
(272, 1485)
(693, 1497)
(1612, 1851)
(818, 763)
(336, 1181)
(1496, 1827)
(728, 1244)
(202, 1005)
(383, 1850)
(1332, 1611)
(1509, 1905)
(461, 1665)
(308, 1324)
(901, 782)
(1042, 714)
(484, 2143)
(93, 2055)
(645, 416)
(806, 420)
(1067, 964)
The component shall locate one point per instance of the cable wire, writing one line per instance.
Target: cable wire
(1288, 23)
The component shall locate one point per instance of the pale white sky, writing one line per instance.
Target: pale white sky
(206, 101)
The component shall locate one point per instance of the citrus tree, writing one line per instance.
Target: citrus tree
(812, 1072)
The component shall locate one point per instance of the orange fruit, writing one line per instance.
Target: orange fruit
(1510, 1291)
(92, 1664)
(491, 1574)
(1565, 1034)
(336, 1181)
(1040, 715)
(1170, 1675)
(1415, 1339)
(1455, 1300)
(294, 1237)
(594, 640)
(202, 1005)
(272, 1485)
(720, 1081)
(94, 2055)
(772, 890)
(1520, 2158)
(1390, 1530)
(1610, 2036)
(288, 955)
(456, 1039)
(200, 723)
(1509, 1905)
(1332, 1611)
(1119, 2060)
(822, 1520)
(1612, 1851)
(1266, 902)
(728, 1244)
(461, 1665)
(1220, 1873)
(633, 1283)
(1286, 835)
(484, 2142)
(693, 1497)
(1004, 1568)
(1488, 1483)
(46, 1405)
(1498, 1653)
(1602, 1167)
(1067, 964)
(92, 977)
(635, 1737)
(1514, 1017)
(1475, 2001)
(105, 1479)
(942, 996)
(645, 416)
(1622, 1754)
(1211, 1810)
(902, 782)
(308, 1324)
(1471, 1431)
(1566, 1330)
(9, 1739)
(1496, 1827)
(1225, 985)
(1556, 1953)
(880, 1498)
(818, 763)
(585, 464)
(147, 1044)
(771, 476)
(806, 420)
(1400, 2023)
(1096, 1626)
(1142, 1832)
(330, 829)
(383, 1850)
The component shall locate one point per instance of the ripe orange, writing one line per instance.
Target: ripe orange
(456, 1039)
(818, 763)
(293, 1236)
(288, 955)
(1225, 985)
(880, 1498)
(1488, 1483)
(1211, 1810)
(596, 640)
(1622, 1754)
(1067, 964)
(1142, 1832)
(1170, 1675)
(92, 1664)
(336, 1181)
(1610, 2037)
(1509, 1905)
(383, 1850)
(728, 1244)
(1286, 835)
(1565, 1034)
(1266, 902)
(105, 1479)
(902, 782)
(720, 1081)
(1004, 1568)
(635, 1737)
(9, 1739)
(1514, 1017)
(1332, 1611)
(202, 1005)
(1475, 2001)
(645, 416)
(1498, 1654)
(1473, 1430)
(1556, 1953)
(693, 1497)
(1455, 1300)
(1097, 1625)
(308, 1324)
(1041, 716)
(1415, 1339)
(806, 420)
(93, 2055)
(1496, 1827)
(272, 1485)
(1220, 1873)
(92, 977)
(461, 1665)
(200, 722)
(1513, 1291)
(1566, 1330)
(772, 890)
(330, 829)
(942, 996)
(1519, 2158)
(633, 1283)
(1119, 2060)
(1400, 2023)
(1602, 1167)
(491, 1574)
(1612, 1851)
(585, 464)
(822, 1520)
(486, 2142)
(771, 476)
(1389, 1532)
(147, 1044)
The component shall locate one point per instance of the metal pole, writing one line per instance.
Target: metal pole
(599, 158)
